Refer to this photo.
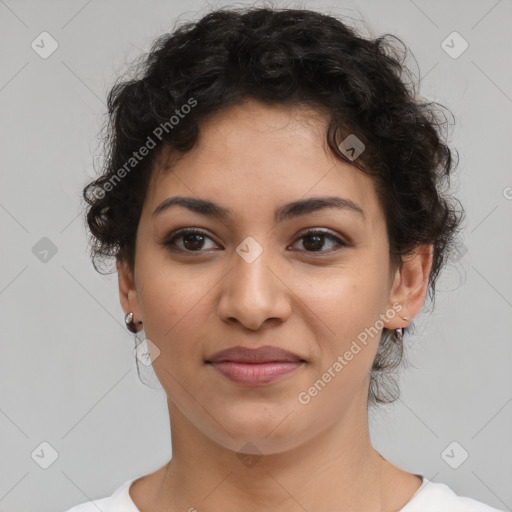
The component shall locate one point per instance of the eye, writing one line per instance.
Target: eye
(192, 240)
(314, 240)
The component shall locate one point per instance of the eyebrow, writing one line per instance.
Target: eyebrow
(285, 212)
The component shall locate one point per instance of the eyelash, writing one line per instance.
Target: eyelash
(187, 231)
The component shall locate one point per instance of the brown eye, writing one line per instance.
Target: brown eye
(191, 240)
(314, 240)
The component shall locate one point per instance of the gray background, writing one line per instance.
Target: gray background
(67, 372)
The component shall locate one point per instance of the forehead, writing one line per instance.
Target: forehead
(254, 156)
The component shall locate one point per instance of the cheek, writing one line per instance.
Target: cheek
(344, 313)
(175, 304)
(345, 300)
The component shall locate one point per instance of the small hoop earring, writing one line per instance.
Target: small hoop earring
(399, 332)
(130, 324)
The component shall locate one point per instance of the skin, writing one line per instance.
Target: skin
(253, 158)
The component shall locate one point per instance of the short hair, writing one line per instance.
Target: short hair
(293, 57)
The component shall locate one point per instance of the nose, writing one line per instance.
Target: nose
(254, 293)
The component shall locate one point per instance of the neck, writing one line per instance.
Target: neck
(338, 469)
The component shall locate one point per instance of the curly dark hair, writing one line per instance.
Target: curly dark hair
(292, 57)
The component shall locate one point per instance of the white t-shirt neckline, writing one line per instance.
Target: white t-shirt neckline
(123, 500)
(429, 497)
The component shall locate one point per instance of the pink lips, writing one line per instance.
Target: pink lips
(255, 367)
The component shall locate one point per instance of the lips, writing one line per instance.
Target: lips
(255, 366)
(264, 354)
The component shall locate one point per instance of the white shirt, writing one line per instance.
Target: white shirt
(430, 497)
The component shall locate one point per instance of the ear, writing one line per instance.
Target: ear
(127, 291)
(410, 286)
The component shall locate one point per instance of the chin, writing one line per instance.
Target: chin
(257, 437)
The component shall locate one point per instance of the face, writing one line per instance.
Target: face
(252, 279)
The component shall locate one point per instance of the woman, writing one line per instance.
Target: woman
(272, 197)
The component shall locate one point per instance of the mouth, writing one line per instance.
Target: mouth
(263, 354)
(255, 367)
(256, 374)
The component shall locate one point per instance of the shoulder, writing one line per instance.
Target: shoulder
(438, 497)
(120, 501)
